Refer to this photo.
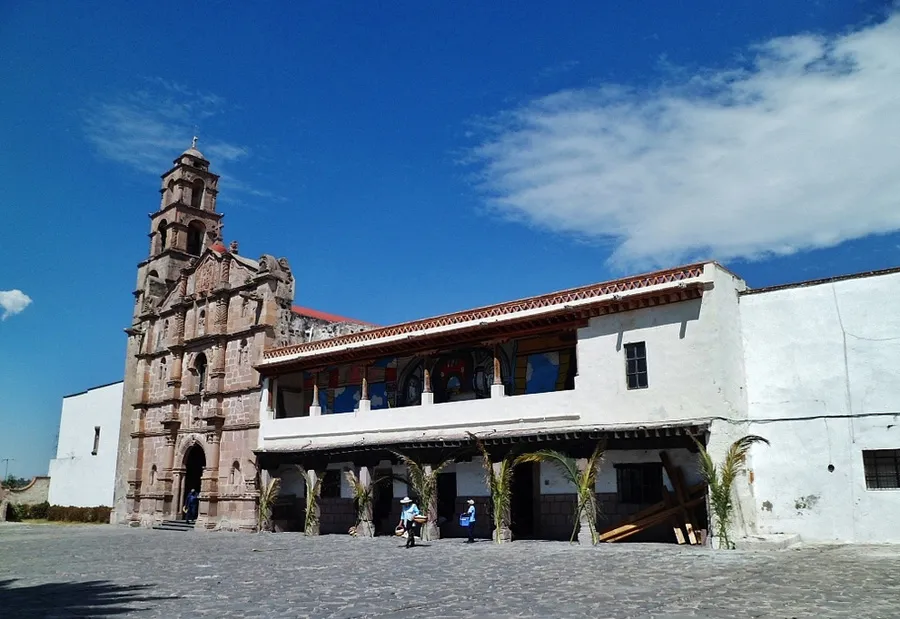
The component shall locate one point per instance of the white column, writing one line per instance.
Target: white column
(315, 409)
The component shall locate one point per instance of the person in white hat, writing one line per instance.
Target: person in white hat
(470, 513)
(409, 511)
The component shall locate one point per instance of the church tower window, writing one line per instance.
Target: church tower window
(201, 322)
(197, 189)
(200, 366)
(163, 231)
(195, 238)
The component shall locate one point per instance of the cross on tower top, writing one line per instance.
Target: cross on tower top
(194, 142)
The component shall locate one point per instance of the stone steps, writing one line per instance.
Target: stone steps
(174, 525)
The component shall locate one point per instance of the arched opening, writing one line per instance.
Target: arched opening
(197, 194)
(194, 463)
(195, 238)
(152, 475)
(200, 366)
(170, 188)
(163, 230)
(162, 369)
(235, 477)
(201, 322)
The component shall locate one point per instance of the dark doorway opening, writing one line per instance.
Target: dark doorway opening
(524, 501)
(194, 462)
(382, 499)
(446, 503)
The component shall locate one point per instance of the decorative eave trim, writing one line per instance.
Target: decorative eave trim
(608, 433)
(584, 302)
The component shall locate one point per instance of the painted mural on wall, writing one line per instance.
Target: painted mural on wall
(535, 365)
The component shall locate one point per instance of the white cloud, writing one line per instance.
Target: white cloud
(13, 302)
(148, 128)
(793, 152)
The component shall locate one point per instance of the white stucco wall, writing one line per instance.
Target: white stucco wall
(77, 477)
(823, 383)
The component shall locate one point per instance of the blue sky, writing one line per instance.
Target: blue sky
(413, 158)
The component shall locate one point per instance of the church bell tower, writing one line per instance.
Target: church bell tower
(185, 224)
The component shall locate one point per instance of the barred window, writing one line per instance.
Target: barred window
(636, 365)
(882, 468)
(639, 483)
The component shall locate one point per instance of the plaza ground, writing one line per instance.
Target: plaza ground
(98, 571)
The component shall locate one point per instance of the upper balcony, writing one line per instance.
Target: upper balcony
(509, 368)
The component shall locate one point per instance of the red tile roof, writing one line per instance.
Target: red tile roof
(626, 284)
(313, 313)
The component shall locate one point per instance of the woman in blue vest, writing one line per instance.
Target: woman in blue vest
(409, 511)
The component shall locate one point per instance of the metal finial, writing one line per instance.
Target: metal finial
(194, 142)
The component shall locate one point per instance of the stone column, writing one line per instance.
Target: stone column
(178, 335)
(178, 485)
(584, 517)
(365, 527)
(365, 404)
(497, 388)
(216, 381)
(221, 322)
(427, 394)
(503, 534)
(315, 409)
(430, 530)
(312, 503)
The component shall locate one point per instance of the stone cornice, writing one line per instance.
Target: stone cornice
(237, 427)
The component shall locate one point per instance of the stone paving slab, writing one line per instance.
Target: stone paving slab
(100, 571)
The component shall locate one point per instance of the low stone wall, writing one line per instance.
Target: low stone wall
(37, 491)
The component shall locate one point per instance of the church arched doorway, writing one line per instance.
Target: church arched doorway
(194, 462)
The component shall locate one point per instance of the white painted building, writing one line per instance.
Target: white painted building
(83, 472)
(823, 385)
(679, 330)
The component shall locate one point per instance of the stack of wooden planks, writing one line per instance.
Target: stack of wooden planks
(677, 509)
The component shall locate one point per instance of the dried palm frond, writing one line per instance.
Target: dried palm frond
(585, 482)
(313, 487)
(499, 482)
(424, 485)
(268, 494)
(720, 480)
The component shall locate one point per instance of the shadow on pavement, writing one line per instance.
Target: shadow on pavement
(98, 598)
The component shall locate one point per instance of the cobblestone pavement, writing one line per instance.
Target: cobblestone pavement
(98, 571)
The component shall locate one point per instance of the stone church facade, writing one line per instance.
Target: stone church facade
(203, 315)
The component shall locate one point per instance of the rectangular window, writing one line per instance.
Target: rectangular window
(636, 365)
(639, 483)
(331, 484)
(96, 440)
(882, 468)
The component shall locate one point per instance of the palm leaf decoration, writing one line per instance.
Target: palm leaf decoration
(313, 483)
(499, 482)
(268, 494)
(720, 481)
(585, 482)
(424, 484)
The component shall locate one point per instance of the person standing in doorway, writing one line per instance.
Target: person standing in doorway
(190, 506)
(407, 519)
(470, 514)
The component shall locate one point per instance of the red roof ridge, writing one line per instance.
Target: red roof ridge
(580, 293)
(314, 313)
